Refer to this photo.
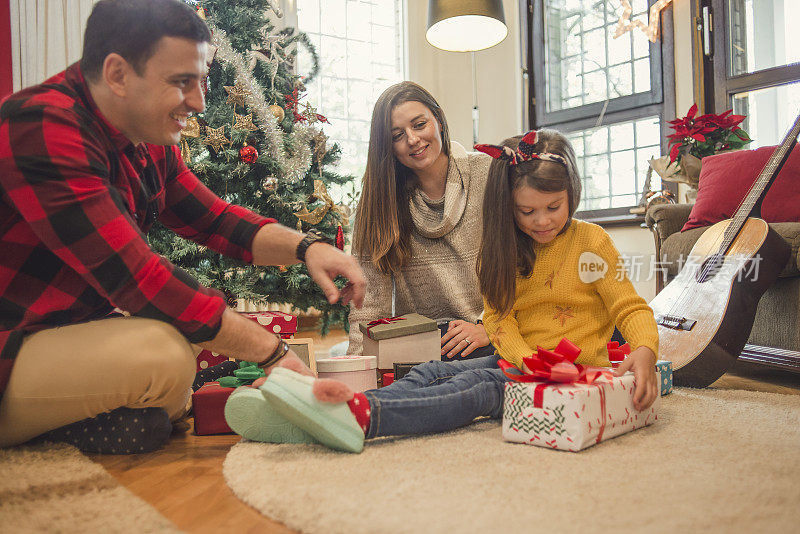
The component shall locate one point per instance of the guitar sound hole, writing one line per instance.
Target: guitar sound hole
(710, 267)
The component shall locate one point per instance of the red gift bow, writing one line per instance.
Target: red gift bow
(617, 353)
(559, 366)
(385, 320)
(555, 366)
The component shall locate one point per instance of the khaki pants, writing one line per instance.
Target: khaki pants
(69, 373)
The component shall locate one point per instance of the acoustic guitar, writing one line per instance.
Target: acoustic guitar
(705, 314)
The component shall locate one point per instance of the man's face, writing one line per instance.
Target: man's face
(158, 102)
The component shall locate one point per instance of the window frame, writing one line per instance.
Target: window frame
(659, 101)
(717, 86)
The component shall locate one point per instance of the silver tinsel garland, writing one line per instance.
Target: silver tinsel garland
(293, 166)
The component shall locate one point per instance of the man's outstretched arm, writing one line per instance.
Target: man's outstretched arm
(275, 244)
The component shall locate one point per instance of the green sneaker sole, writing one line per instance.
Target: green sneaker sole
(333, 425)
(251, 416)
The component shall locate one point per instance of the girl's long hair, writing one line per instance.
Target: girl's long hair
(505, 250)
(382, 231)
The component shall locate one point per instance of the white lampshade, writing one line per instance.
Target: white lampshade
(465, 25)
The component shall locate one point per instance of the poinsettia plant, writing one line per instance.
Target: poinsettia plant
(707, 134)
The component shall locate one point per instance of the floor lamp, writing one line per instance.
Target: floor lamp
(466, 26)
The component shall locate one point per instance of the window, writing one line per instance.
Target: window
(360, 46)
(606, 94)
(752, 63)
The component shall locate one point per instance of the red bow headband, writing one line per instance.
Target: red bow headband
(524, 151)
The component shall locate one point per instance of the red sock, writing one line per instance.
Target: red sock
(359, 405)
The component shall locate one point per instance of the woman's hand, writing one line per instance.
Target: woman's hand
(642, 362)
(463, 336)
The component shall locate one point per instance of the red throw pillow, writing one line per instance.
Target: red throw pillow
(725, 179)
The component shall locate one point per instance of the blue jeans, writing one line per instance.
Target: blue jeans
(437, 396)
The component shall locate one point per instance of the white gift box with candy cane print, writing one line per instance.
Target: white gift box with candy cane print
(570, 416)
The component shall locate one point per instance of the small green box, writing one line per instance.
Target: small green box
(405, 325)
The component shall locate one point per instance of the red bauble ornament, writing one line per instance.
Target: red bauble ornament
(340, 238)
(248, 154)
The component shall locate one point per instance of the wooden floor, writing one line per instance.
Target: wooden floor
(184, 480)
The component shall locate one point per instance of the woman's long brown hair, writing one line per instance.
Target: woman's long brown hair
(505, 250)
(382, 231)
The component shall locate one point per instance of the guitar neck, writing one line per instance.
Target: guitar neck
(761, 185)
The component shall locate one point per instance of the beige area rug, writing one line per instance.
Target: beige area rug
(716, 461)
(54, 488)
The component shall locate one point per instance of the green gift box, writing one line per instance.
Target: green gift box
(404, 325)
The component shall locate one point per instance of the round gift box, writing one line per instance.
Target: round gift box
(358, 372)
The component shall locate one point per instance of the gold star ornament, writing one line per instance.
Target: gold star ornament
(192, 129)
(244, 122)
(215, 138)
(236, 94)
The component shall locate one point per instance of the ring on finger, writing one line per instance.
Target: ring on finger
(468, 340)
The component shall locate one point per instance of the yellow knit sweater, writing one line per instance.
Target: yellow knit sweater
(570, 295)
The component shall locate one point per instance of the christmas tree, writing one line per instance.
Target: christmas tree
(259, 145)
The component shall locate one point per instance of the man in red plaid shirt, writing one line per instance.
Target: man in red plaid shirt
(87, 163)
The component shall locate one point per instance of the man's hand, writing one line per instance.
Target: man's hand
(290, 361)
(274, 244)
(642, 362)
(464, 335)
(325, 263)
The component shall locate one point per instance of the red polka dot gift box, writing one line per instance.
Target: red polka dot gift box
(282, 324)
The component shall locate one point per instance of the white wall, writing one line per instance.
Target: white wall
(448, 76)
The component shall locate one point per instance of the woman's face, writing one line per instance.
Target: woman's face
(416, 136)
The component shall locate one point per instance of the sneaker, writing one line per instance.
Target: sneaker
(332, 424)
(249, 414)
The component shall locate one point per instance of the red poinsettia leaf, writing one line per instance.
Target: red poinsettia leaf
(674, 151)
(735, 119)
(699, 137)
(692, 112)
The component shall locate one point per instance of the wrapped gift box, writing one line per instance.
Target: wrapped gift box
(358, 372)
(405, 339)
(279, 323)
(275, 321)
(207, 359)
(208, 404)
(664, 368)
(572, 417)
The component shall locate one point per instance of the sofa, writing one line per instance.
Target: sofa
(775, 337)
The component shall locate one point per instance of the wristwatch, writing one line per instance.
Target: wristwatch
(279, 352)
(310, 238)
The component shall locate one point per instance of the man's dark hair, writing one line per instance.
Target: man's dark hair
(133, 28)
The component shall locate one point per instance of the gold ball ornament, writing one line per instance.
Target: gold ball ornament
(277, 112)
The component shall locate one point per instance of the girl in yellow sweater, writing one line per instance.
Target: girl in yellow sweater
(543, 275)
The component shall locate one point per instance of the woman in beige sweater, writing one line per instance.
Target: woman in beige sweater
(418, 224)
